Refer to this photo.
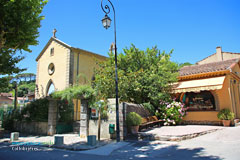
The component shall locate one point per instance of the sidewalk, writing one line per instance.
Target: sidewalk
(75, 143)
(71, 142)
(178, 133)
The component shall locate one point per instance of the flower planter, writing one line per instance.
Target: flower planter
(226, 123)
(134, 129)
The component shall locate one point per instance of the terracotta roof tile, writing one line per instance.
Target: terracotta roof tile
(209, 67)
(6, 94)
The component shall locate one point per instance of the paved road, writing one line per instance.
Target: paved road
(223, 144)
(6, 153)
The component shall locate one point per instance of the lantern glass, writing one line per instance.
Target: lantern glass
(106, 21)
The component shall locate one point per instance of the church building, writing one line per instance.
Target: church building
(60, 65)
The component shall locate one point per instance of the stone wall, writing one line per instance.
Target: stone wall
(40, 128)
(93, 124)
(138, 108)
(126, 108)
(93, 128)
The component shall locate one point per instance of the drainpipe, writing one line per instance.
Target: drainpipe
(232, 97)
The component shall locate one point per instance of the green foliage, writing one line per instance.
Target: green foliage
(184, 64)
(19, 23)
(26, 82)
(143, 76)
(9, 116)
(36, 111)
(65, 111)
(8, 61)
(104, 115)
(76, 92)
(133, 119)
(225, 114)
(171, 112)
(5, 85)
(149, 107)
(24, 88)
(100, 105)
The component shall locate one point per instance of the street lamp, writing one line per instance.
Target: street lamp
(106, 21)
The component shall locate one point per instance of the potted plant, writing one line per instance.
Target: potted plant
(133, 121)
(226, 116)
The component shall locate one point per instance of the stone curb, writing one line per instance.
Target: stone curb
(80, 147)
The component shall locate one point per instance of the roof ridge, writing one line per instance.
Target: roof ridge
(208, 67)
(61, 42)
(206, 58)
(213, 62)
(64, 44)
(231, 52)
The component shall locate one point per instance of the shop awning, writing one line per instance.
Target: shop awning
(199, 85)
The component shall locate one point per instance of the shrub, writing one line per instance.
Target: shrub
(172, 113)
(133, 119)
(225, 114)
(148, 106)
(9, 116)
(36, 111)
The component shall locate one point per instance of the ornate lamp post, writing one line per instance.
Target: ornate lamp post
(106, 21)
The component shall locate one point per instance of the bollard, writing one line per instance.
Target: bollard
(91, 140)
(14, 136)
(58, 140)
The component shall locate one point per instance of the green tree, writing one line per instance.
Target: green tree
(144, 76)
(19, 23)
(5, 85)
(184, 64)
(25, 88)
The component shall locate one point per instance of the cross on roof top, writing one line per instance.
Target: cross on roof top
(54, 33)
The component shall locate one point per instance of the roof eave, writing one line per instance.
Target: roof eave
(204, 75)
(79, 49)
(48, 43)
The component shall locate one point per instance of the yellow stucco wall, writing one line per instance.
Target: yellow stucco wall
(59, 59)
(83, 72)
(201, 116)
(235, 81)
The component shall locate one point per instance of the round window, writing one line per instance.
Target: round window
(51, 69)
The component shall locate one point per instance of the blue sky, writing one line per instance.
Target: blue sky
(193, 28)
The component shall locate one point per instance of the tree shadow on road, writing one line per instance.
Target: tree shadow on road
(145, 150)
(174, 152)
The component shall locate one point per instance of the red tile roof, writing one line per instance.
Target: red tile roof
(209, 67)
(6, 94)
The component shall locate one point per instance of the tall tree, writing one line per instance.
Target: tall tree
(19, 23)
(144, 76)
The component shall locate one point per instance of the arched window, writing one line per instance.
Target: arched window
(50, 88)
(202, 101)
